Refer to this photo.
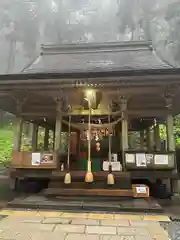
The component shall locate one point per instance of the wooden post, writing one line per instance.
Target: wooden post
(58, 128)
(157, 139)
(18, 134)
(46, 139)
(142, 140)
(170, 133)
(124, 131)
(34, 137)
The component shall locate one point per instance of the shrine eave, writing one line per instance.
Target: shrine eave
(55, 77)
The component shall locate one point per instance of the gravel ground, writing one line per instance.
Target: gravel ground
(173, 229)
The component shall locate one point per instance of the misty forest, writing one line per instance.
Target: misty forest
(26, 24)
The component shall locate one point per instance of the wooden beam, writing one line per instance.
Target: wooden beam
(135, 112)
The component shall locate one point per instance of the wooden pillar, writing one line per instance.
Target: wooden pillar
(171, 140)
(54, 138)
(157, 139)
(46, 139)
(170, 133)
(58, 128)
(142, 140)
(150, 139)
(130, 141)
(34, 136)
(18, 134)
(124, 131)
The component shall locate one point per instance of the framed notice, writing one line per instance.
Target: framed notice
(36, 159)
(141, 189)
(161, 159)
(141, 160)
(130, 158)
(47, 159)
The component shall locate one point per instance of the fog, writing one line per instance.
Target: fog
(26, 24)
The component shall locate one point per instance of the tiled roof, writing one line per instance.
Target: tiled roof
(96, 57)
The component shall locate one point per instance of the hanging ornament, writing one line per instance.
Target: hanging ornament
(89, 176)
(110, 177)
(67, 178)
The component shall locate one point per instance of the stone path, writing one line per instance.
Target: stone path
(32, 225)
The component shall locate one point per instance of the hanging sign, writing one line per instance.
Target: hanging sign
(36, 159)
(141, 160)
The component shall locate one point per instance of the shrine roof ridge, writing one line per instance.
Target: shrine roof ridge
(100, 46)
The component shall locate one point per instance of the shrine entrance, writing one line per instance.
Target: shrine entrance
(100, 109)
(101, 140)
(100, 148)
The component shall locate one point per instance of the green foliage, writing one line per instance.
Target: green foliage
(177, 130)
(6, 143)
(173, 19)
(162, 129)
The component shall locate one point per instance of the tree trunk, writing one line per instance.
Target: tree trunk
(11, 56)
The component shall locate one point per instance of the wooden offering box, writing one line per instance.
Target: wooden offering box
(140, 191)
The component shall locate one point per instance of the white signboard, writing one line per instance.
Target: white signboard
(141, 189)
(149, 158)
(36, 159)
(116, 166)
(130, 158)
(141, 160)
(161, 159)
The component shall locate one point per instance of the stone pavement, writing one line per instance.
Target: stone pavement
(34, 225)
